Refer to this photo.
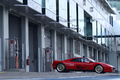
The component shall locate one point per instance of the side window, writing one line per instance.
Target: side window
(84, 60)
(79, 60)
(76, 60)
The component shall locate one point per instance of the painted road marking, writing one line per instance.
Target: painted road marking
(2, 72)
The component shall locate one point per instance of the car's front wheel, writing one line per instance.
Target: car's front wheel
(60, 67)
(99, 69)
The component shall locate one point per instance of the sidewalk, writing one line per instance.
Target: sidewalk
(25, 75)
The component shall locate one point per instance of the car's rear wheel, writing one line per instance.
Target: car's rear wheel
(60, 67)
(99, 69)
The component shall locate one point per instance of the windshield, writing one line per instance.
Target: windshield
(91, 60)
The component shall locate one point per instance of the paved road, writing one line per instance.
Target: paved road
(57, 76)
(74, 78)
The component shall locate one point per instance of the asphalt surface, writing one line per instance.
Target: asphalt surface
(51, 75)
(86, 78)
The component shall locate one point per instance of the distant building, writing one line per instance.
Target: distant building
(115, 3)
(116, 25)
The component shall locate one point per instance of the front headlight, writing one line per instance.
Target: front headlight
(113, 69)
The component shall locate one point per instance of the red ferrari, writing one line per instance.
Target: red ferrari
(82, 64)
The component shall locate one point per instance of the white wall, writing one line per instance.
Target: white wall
(20, 1)
(35, 4)
(99, 13)
(116, 25)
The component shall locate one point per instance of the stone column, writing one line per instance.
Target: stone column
(88, 52)
(72, 47)
(42, 55)
(96, 55)
(1, 36)
(65, 47)
(92, 52)
(26, 42)
(81, 49)
(5, 43)
(55, 44)
(39, 47)
(115, 45)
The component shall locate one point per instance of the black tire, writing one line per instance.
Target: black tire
(66, 71)
(60, 67)
(99, 69)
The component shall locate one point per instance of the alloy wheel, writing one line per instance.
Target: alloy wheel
(60, 67)
(98, 69)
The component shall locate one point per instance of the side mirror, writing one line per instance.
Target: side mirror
(89, 61)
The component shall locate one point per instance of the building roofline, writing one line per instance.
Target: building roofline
(107, 6)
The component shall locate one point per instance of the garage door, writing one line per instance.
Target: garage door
(85, 50)
(47, 38)
(59, 47)
(69, 48)
(33, 47)
(48, 50)
(14, 33)
(77, 47)
(95, 55)
(90, 52)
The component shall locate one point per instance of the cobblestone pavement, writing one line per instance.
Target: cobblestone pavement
(25, 75)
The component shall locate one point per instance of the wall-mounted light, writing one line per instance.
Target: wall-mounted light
(91, 9)
(84, 2)
(93, 19)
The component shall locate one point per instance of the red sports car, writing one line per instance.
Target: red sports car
(82, 64)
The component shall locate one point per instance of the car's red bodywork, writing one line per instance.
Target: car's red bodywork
(83, 66)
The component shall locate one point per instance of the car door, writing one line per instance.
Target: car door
(88, 65)
(81, 64)
(70, 65)
(84, 64)
(76, 61)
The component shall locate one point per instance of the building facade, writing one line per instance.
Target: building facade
(33, 33)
